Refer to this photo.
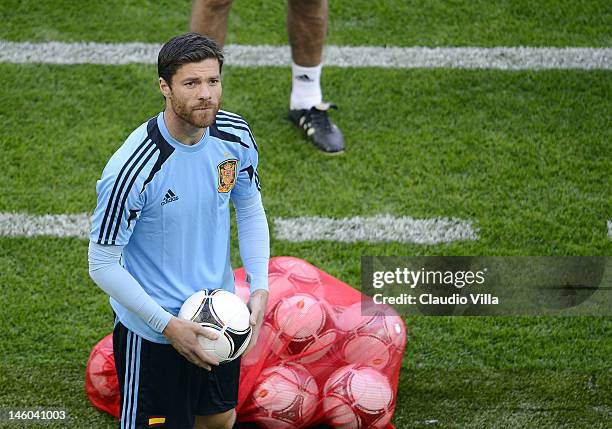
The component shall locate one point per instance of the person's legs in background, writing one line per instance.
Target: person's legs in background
(209, 18)
(306, 27)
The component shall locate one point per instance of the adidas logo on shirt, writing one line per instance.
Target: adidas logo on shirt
(170, 197)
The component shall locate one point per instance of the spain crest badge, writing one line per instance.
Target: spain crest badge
(227, 175)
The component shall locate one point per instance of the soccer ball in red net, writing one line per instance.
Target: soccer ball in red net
(101, 383)
(357, 397)
(285, 396)
(371, 340)
(304, 327)
(310, 349)
(266, 350)
(299, 317)
(279, 287)
(295, 268)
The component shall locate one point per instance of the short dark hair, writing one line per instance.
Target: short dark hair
(183, 49)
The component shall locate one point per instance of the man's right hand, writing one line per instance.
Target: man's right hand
(183, 335)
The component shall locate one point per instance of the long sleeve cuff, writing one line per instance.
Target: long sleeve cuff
(253, 240)
(106, 271)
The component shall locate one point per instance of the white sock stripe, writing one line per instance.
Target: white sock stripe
(502, 57)
(305, 87)
(311, 74)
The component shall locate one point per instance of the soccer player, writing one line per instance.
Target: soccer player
(306, 27)
(160, 232)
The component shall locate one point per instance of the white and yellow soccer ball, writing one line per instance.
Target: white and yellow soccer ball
(224, 314)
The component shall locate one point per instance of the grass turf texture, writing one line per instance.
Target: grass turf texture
(463, 372)
(354, 22)
(523, 154)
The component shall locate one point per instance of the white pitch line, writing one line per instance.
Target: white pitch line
(610, 229)
(502, 58)
(63, 225)
(374, 229)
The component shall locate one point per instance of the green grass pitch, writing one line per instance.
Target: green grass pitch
(526, 155)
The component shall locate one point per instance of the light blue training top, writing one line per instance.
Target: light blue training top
(168, 205)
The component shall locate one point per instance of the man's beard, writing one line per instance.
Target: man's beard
(195, 118)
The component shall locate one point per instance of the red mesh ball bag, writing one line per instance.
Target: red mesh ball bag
(320, 359)
(101, 382)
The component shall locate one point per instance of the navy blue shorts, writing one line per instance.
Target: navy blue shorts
(160, 388)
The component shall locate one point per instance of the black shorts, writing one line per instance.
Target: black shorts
(160, 388)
